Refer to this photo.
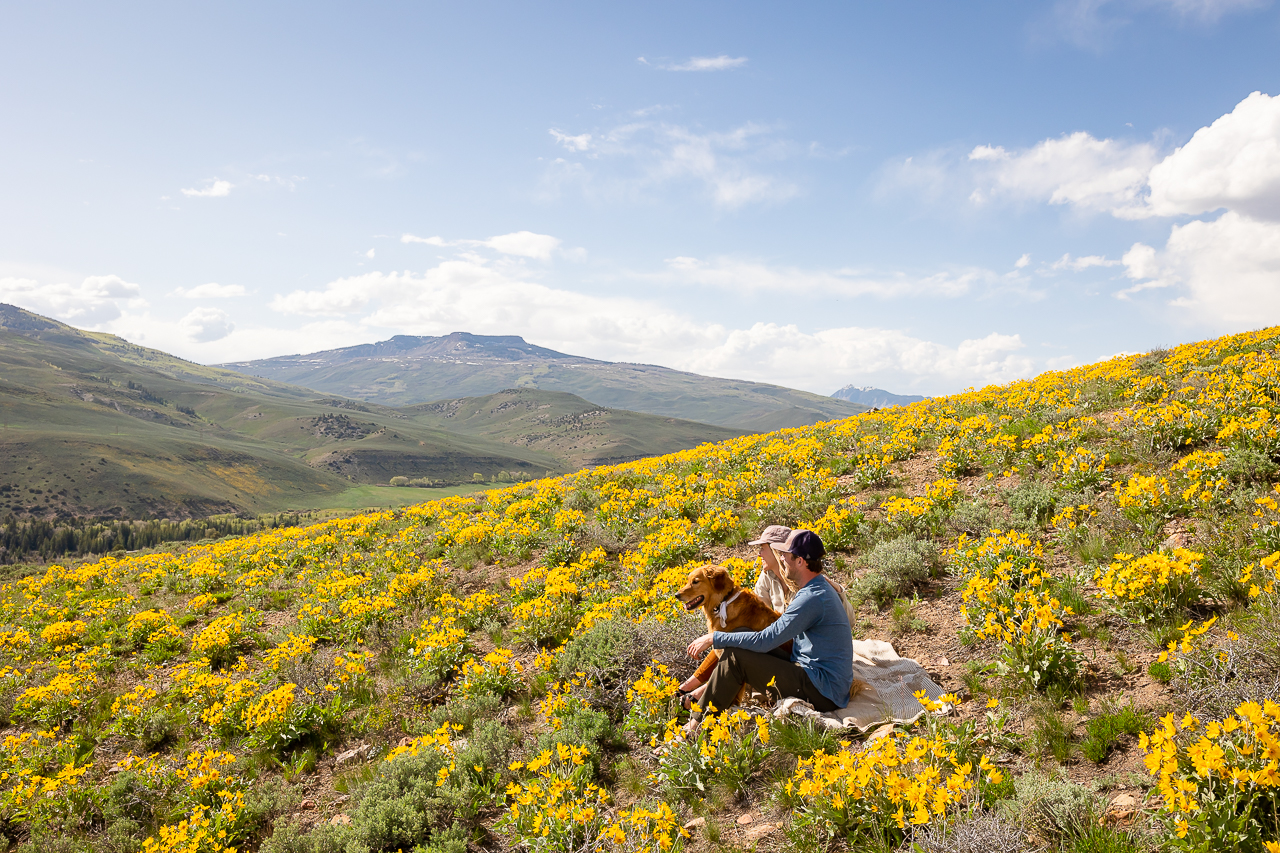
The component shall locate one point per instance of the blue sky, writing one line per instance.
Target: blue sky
(918, 196)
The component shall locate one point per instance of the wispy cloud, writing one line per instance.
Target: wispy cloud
(1066, 262)
(525, 244)
(700, 63)
(1075, 169)
(581, 142)
(636, 157)
(214, 189)
(1094, 24)
(212, 290)
(738, 275)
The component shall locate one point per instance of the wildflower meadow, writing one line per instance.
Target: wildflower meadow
(498, 671)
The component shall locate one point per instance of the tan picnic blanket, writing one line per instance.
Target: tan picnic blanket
(888, 697)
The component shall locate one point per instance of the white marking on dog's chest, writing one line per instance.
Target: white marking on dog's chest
(722, 612)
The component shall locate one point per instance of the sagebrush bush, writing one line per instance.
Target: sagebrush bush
(402, 808)
(1033, 500)
(603, 653)
(896, 567)
(1052, 805)
(981, 832)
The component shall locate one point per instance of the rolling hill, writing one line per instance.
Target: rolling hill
(94, 426)
(566, 426)
(407, 370)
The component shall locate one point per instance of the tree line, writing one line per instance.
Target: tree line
(27, 539)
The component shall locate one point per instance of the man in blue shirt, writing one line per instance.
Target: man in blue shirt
(820, 670)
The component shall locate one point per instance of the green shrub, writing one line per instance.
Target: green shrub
(601, 653)
(979, 832)
(465, 710)
(1034, 501)
(975, 517)
(1054, 806)
(582, 725)
(402, 808)
(897, 566)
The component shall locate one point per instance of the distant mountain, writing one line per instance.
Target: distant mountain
(875, 397)
(91, 425)
(407, 370)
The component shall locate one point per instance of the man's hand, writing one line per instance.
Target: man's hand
(699, 647)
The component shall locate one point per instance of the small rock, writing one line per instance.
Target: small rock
(343, 799)
(943, 662)
(1121, 802)
(755, 833)
(745, 819)
(340, 820)
(359, 753)
(696, 823)
(405, 741)
(307, 805)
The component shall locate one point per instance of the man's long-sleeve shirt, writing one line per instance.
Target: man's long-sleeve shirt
(823, 647)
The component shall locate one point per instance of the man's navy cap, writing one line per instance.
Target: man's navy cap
(804, 543)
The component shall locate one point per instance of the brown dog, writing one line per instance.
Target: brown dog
(727, 606)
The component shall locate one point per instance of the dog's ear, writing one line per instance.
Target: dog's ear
(721, 580)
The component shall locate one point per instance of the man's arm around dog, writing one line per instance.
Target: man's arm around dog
(817, 622)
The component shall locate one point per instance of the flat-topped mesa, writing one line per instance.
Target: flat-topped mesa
(453, 346)
(408, 370)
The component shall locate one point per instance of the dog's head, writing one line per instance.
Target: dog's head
(707, 586)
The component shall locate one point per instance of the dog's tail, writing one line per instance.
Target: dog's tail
(855, 689)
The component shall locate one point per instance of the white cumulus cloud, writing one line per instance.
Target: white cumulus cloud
(1233, 163)
(526, 244)
(94, 301)
(1077, 169)
(1227, 271)
(430, 241)
(471, 295)
(211, 290)
(214, 189)
(203, 325)
(1224, 272)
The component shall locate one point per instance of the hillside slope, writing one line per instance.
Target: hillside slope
(407, 370)
(93, 425)
(566, 426)
(1089, 562)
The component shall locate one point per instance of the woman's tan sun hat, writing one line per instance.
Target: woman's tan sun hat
(774, 534)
